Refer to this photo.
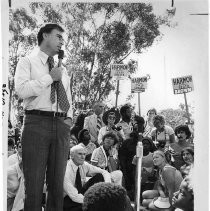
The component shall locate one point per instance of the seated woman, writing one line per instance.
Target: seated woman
(110, 119)
(162, 134)
(183, 134)
(187, 155)
(106, 157)
(169, 180)
(183, 199)
(84, 141)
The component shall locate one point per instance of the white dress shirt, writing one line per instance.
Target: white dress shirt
(86, 170)
(33, 83)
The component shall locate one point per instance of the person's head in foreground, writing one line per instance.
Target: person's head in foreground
(184, 198)
(106, 197)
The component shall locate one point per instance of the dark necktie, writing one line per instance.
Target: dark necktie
(98, 123)
(78, 182)
(59, 88)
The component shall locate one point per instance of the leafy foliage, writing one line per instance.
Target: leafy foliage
(175, 117)
(98, 34)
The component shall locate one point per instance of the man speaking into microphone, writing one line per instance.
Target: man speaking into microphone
(45, 90)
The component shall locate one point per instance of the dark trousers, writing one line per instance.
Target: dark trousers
(69, 205)
(45, 146)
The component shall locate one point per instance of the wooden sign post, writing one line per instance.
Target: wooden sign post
(139, 85)
(120, 72)
(183, 85)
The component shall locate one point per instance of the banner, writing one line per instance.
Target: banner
(119, 71)
(182, 84)
(138, 84)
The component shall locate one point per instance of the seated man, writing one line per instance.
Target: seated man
(75, 184)
(105, 196)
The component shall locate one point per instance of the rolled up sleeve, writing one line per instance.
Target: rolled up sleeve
(70, 190)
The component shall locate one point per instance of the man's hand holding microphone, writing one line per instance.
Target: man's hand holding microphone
(56, 72)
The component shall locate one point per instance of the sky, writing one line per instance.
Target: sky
(182, 51)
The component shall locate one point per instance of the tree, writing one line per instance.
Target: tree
(174, 117)
(99, 34)
(22, 40)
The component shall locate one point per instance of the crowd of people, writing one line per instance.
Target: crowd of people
(105, 151)
(88, 162)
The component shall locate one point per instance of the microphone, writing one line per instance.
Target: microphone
(118, 128)
(60, 57)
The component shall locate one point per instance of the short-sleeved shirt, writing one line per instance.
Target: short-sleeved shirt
(99, 156)
(164, 135)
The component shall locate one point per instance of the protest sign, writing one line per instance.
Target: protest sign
(119, 71)
(182, 84)
(138, 84)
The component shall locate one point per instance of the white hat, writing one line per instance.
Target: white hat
(161, 202)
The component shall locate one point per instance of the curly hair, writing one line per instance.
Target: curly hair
(123, 109)
(160, 118)
(184, 128)
(110, 135)
(105, 196)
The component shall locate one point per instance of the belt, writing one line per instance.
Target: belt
(46, 113)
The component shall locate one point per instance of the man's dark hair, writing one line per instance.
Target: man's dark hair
(110, 135)
(123, 109)
(81, 135)
(105, 197)
(140, 121)
(47, 29)
(184, 128)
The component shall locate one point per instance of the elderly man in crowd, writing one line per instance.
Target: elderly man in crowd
(94, 122)
(75, 180)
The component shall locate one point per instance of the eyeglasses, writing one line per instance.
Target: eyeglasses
(111, 117)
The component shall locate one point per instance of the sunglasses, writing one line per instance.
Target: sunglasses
(111, 117)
